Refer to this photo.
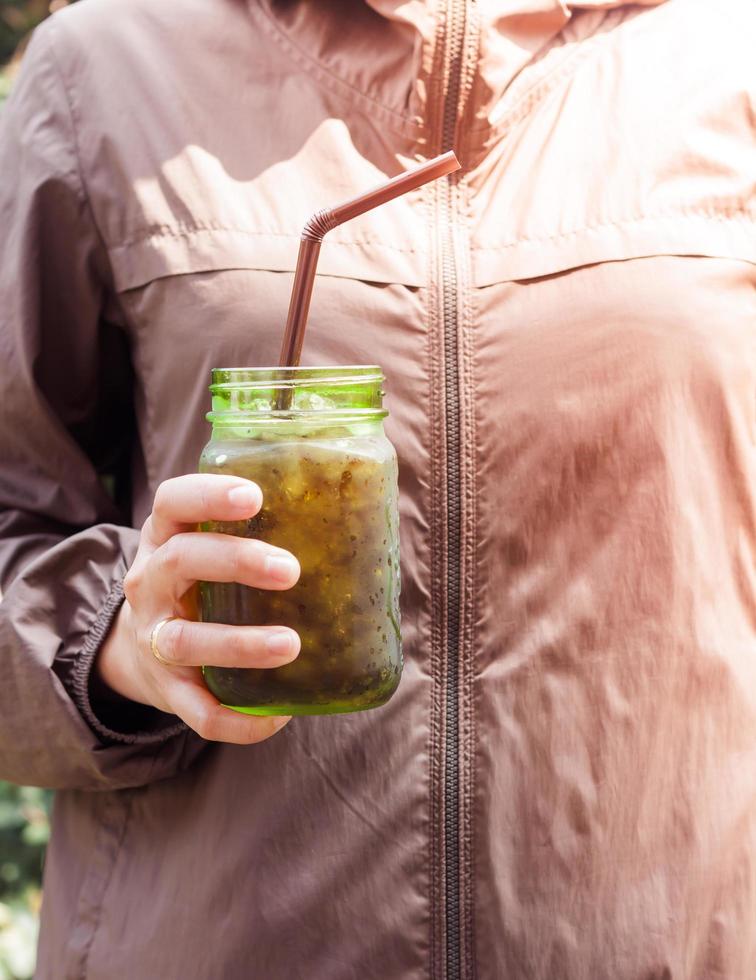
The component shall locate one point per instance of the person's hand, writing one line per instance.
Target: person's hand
(172, 556)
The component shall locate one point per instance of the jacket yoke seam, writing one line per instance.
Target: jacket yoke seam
(185, 230)
(739, 213)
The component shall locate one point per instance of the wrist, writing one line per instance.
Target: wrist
(114, 666)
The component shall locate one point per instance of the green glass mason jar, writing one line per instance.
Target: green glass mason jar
(313, 440)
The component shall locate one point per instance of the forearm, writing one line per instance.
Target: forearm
(52, 620)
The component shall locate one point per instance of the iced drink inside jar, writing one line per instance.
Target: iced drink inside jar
(329, 497)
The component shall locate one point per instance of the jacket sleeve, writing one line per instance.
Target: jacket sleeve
(65, 419)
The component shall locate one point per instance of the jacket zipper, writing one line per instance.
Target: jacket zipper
(455, 44)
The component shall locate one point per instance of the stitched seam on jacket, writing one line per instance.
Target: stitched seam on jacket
(52, 26)
(97, 901)
(724, 216)
(541, 87)
(405, 126)
(738, 213)
(185, 231)
(538, 91)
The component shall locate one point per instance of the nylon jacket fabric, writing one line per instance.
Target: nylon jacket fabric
(564, 785)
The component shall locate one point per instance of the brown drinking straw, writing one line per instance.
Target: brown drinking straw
(323, 221)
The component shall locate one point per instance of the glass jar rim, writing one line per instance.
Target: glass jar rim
(234, 377)
(309, 395)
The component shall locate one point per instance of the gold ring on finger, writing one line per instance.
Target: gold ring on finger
(154, 641)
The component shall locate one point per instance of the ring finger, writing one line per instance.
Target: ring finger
(183, 643)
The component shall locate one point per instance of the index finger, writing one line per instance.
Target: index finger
(185, 501)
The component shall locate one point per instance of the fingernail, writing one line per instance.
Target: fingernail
(245, 496)
(281, 568)
(280, 644)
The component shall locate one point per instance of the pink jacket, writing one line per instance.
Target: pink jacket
(564, 786)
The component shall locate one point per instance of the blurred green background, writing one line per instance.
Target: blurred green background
(24, 830)
(24, 810)
(17, 20)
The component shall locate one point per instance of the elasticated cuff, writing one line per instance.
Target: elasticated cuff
(112, 717)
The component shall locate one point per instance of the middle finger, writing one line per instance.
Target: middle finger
(207, 556)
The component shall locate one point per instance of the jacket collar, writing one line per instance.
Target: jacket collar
(392, 51)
